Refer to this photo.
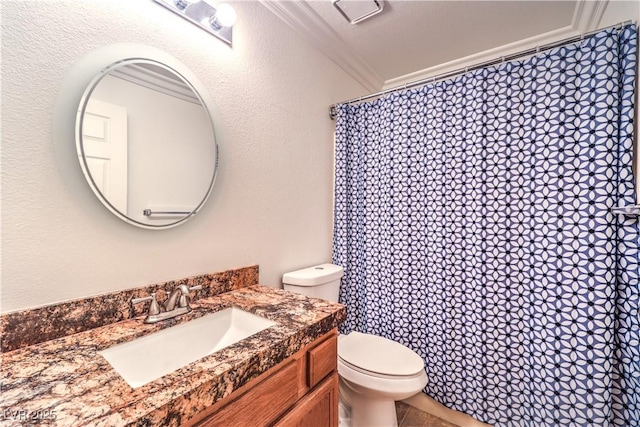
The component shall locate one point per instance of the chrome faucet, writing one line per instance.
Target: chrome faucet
(176, 304)
(181, 292)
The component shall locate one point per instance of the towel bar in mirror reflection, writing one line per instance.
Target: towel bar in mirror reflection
(149, 212)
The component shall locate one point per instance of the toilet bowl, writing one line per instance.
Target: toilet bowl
(374, 371)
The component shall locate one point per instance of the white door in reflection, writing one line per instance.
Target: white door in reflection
(104, 136)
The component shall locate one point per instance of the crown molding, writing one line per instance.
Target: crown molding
(163, 83)
(302, 18)
(588, 14)
(481, 57)
(586, 17)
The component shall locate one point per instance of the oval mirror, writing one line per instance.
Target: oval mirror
(146, 143)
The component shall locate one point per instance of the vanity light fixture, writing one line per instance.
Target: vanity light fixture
(182, 4)
(217, 20)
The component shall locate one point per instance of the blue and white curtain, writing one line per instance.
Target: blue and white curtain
(473, 218)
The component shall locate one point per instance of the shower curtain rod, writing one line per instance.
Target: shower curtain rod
(499, 60)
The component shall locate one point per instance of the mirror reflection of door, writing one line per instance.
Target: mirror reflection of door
(104, 134)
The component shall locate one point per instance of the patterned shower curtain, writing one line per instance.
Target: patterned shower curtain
(473, 219)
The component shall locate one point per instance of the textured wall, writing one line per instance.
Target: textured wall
(272, 203)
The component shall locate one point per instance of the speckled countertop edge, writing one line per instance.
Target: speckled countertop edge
(66, 375)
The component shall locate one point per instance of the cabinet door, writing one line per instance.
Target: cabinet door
(317, 409)
(322, 360)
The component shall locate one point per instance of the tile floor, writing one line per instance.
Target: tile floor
(408, 416)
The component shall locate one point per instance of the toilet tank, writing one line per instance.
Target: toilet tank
(319, 281)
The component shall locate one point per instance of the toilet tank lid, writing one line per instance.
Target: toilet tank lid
(313, 276)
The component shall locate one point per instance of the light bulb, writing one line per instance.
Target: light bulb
(225, 16)
(182, 4)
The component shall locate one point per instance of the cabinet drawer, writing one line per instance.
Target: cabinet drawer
(262, 404)
(322, 360)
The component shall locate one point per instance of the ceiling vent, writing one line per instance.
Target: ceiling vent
(356, 11)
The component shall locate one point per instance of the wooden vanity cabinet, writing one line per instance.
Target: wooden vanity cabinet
(300, 391)
(317, 409)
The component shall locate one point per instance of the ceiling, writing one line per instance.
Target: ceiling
(434, 32)
(410, 40)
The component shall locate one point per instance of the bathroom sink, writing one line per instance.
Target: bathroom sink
(150, 357)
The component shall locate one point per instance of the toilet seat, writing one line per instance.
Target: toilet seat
(359, 370)
(377, 356)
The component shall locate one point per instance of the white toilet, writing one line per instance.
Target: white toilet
(374, 371)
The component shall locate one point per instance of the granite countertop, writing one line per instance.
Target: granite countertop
(65, 381)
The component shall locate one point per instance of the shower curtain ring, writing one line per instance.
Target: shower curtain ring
(332, 112)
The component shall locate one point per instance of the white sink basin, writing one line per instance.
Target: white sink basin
(150, 357)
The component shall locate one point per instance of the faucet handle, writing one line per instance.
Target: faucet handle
(184, 300)
(154, 307)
